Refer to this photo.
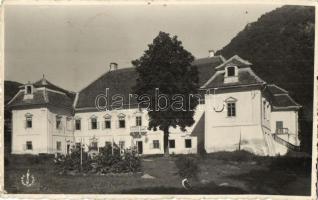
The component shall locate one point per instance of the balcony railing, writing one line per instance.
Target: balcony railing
(282, 131)
(138, 129)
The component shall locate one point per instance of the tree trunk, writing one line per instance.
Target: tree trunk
(166, 141)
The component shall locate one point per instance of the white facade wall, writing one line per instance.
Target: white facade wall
(116, 134)
(244, 131)
(43, 133)
(37, 134)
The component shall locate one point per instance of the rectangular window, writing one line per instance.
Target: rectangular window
(58, 146)
(172, 144)
(121, 144)
(107, 124)
(77, 124)
(156, 144)
(188, 143)
(138, 121)
(231, 71)
(231, 111)
(29, 145)
(29, 122)
(94, 123)
(122, 123)
(94, 146)
(78, 145)
(58, 122)
(29, 89)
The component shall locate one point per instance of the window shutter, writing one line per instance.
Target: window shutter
(25, 123)
(89, 125)
(24, 147)
(151, 145)
(97, 123)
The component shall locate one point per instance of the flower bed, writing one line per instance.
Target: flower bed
(109, 160)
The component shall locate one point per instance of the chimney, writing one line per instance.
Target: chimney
(211, 53)
(113, 66)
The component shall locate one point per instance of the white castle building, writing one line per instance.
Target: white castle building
(239, 111)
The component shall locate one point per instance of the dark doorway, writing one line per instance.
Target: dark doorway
(139, 147)
(68, 148)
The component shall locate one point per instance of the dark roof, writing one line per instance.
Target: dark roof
(49, 94)
(246, 76)
(280, 99)
(45, 83)
(121, 82)
(42, 97)
(274, 89)
(235, 61)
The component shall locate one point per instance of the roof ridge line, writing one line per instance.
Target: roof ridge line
(102, 76)
(253, 74)
(237, 57)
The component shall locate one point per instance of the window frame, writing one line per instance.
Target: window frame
(94, 145)
(231, 69)
(80, 124)
(174, 144)
(28, 120)
(156, 144)
(93, 123)
(27, 145)
(107, 124)
(138, 121)
(231, 109)
(58, 122)
(121, 121)
(186, 144)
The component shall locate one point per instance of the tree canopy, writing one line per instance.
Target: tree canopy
(165, 69)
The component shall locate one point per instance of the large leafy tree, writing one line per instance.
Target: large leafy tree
(165, 69)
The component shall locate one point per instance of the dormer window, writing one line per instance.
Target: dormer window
(231, 74)
(230, 71)
(28, 89)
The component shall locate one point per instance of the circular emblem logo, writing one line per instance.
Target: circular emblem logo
(27, 179)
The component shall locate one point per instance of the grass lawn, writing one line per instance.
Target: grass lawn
(219, 173)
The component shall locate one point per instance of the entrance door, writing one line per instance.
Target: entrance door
(68, 149)
(139, 147)
(279, 127)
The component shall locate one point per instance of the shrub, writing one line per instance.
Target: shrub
(116, 160)
(108, 160)
(187, 166)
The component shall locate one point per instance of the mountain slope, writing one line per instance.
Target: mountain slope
(281, 47)
(10, 89)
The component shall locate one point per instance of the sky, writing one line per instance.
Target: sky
(73, 45)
